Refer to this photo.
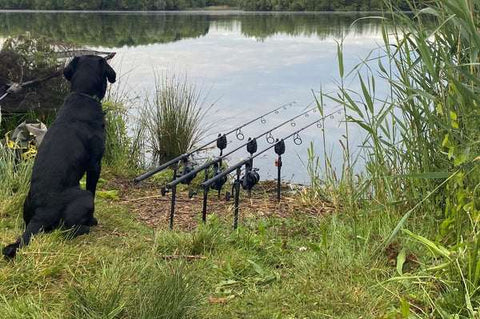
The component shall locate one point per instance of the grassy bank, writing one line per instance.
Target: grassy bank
(301, 266)
(402, 242)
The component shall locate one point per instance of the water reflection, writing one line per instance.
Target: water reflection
(106, 30)
(132, 29)
(248, 64)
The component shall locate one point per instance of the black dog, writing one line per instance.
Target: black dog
(73, 146)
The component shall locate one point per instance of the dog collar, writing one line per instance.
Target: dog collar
(93, 97)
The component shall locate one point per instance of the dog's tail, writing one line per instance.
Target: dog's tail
(11, 250)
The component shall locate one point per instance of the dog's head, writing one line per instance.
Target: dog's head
(89, 74)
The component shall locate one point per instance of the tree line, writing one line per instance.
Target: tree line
(106, 30)
(117, 30)
(250, 5)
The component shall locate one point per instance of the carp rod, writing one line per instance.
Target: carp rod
(221, 137)
(219, 178)
(230, 169)
(270, 140)
(189, 175)
(251, 177)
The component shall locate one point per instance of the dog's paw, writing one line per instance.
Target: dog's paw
(10, 251)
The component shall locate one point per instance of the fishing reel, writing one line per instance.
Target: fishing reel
(250, 178)
(187, 168)
(218, 184)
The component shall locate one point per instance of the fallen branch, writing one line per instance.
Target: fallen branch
(15, 88)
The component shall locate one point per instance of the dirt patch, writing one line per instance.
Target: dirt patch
(153, 209)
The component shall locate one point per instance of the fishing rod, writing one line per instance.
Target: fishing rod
(220, 139)
(269, 137)
(187, 177)
(251, 177)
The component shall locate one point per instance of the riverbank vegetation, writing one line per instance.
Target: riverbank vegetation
(400, 240)
(421, 150)
(249, 5)
(129, 30)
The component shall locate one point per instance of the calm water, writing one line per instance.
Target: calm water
(247, 63)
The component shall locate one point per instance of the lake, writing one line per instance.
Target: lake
(246, 63)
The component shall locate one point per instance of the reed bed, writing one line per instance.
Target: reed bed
(420, 148)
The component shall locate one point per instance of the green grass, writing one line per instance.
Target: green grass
(421, 145)
(403, 242)
(298, 267)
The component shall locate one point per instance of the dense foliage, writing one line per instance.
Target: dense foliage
(22, 59)
(254, 5)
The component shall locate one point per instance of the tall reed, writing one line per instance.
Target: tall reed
(421, 140)
(171, 120)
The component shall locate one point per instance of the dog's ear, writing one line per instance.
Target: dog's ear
(110, 73)
(70, 69)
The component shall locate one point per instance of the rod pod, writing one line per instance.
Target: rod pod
(221, 144)
(238, 166)
(205, 198)
(236, 188)
(174, 195)
(279, 150)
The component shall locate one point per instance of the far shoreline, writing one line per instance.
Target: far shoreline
(190, 11)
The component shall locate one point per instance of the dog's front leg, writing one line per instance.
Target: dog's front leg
(93, 170)
(93, 174)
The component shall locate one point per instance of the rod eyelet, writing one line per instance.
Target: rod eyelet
(240, 136)
(270, 139)
(297, 140)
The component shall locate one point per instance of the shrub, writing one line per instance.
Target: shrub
(26, 58)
